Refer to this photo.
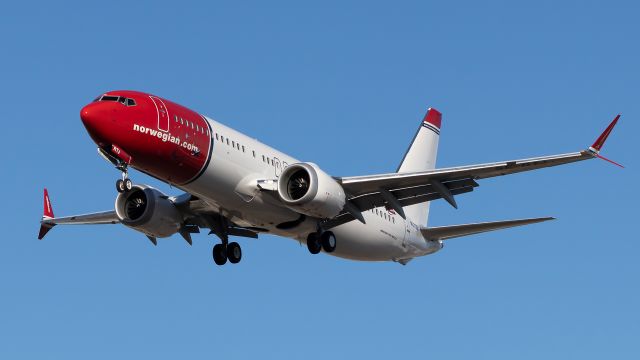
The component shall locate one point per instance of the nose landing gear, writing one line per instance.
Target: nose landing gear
(125, 184)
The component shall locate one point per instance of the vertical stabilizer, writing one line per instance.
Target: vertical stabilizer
(421, 156)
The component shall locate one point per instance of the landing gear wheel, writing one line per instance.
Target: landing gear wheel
(234, 252)
(219, 254)
(328, 241)
(128, 184)
(313, 243)
(120, 186)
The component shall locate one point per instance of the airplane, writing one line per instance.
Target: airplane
(235, 185)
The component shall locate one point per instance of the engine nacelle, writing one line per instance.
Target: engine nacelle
(304, 188)
(149, 211)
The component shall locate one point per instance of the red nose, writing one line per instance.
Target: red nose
(95, 119)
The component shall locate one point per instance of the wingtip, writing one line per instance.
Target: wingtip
(48, 209)
(599, 143)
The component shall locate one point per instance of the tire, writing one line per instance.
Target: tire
(219, 254)
(128, 184)
(313, 243)
(234, 252)
(328, 241)
(120, 186)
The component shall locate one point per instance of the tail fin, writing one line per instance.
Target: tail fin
(421, 156)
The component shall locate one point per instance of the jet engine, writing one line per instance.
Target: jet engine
(149, 211)
(304, 188)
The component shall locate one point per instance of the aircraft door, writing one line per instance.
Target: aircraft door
(163, 114)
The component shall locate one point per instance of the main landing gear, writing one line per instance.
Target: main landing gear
(225, 251)
(231, 252)
(321, 241)
(125, 184)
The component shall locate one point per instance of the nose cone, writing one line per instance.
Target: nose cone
(95, 119)
(88, 117)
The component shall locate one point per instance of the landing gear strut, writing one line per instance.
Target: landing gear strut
(321, 241)
(225, 251)
(125, 184)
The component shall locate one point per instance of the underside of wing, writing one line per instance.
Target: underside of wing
(454, 231)
(103, 217)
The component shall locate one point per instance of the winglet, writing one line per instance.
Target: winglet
(46, 214)
(597, 145)
(48, 209)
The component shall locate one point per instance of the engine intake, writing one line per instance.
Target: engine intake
(149, 211)
(305, 188)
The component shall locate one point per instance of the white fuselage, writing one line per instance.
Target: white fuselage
(229, 186)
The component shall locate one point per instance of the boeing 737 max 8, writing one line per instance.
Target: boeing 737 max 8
(237, 186)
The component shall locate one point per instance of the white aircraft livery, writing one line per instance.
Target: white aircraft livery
(236, 186)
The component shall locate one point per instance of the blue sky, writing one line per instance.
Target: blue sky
(343, 84)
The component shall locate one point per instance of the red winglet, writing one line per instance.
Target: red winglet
(48, 210)
(603, 137)
(47, 214)
(433, 117)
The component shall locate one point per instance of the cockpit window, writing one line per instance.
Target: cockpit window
(121, 99)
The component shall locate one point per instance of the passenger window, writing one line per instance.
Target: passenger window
(227, 141)
(221, 138)
(238, 146)
(254, 153)
(233, 144)
(216, 136)
(242, 148)
(181, 121)
(262, 158)
(175, 118)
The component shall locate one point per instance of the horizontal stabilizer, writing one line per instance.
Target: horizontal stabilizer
(453, 231)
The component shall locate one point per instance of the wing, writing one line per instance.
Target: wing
(396, 190)
(49, 220)
(195, 212)
(454, 231)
